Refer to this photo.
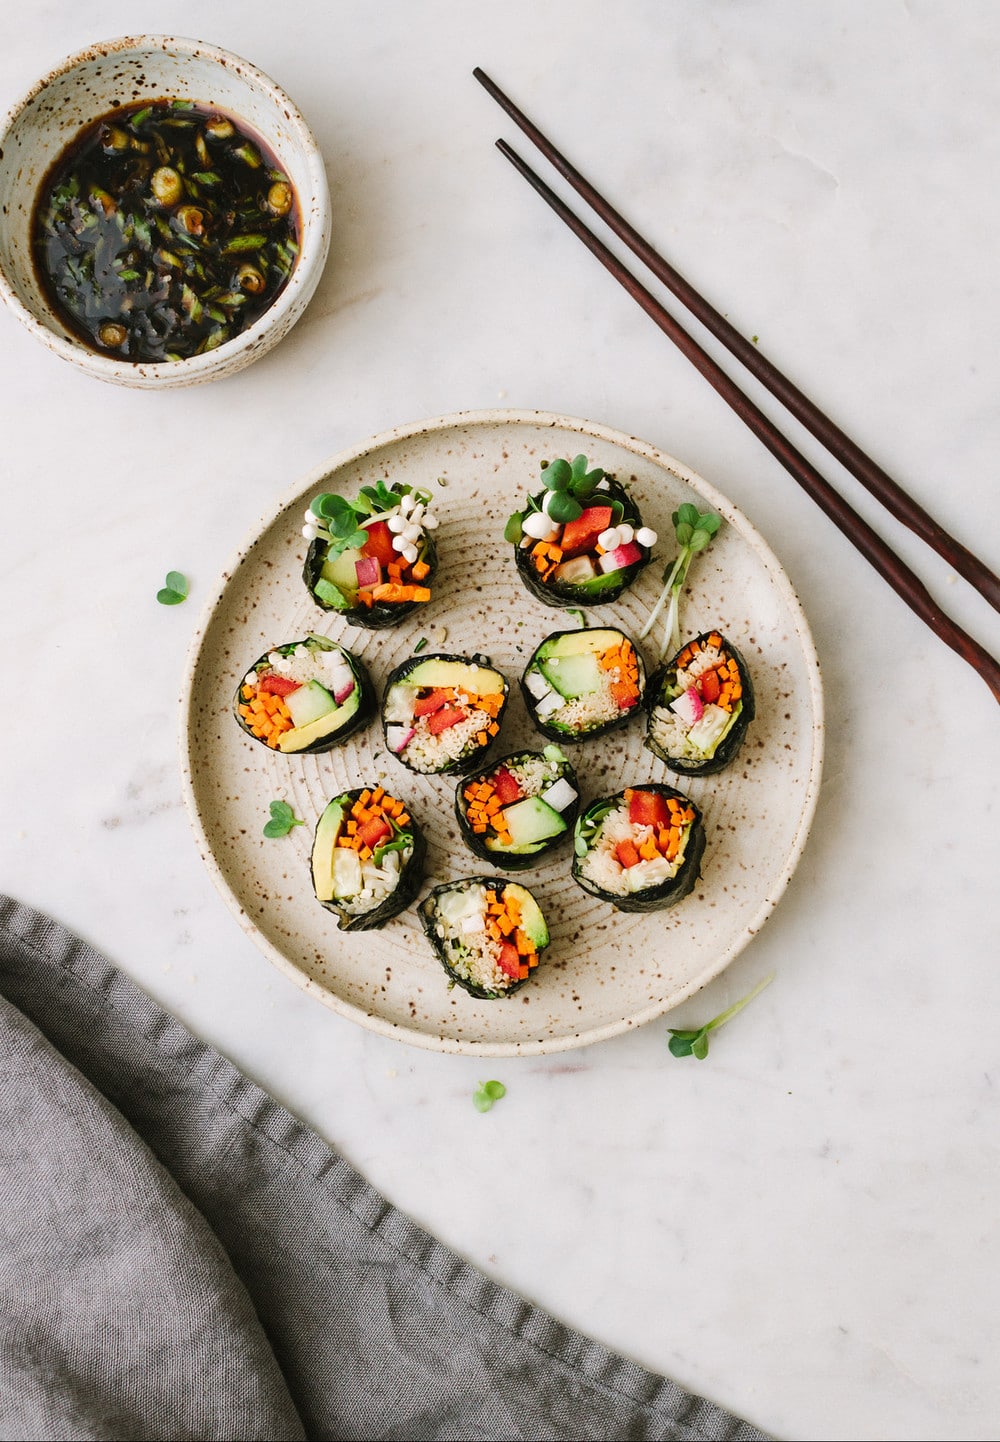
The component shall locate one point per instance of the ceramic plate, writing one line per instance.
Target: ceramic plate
(605, 971)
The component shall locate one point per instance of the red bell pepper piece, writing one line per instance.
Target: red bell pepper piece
(433, 701)
(581, 535)
(371, 832)
(648, 808)
(627, 853)
(441, 720)
(709, 686)
(277, 685)
(379, 543)
(509, 962)
(506, 787)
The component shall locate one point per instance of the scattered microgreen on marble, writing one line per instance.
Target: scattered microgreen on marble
(174, 591)
(694, 530)
(579, 617)
(282, 820)
(695, 1043)
(486, 1094)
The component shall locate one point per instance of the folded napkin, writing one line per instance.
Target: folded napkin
(181, 1258)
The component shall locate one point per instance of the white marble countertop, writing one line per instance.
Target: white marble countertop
(803, 1225)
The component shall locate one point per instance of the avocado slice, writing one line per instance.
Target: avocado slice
(532, 921)
(592, 640)
(330, 594)
(302, 736)
(324, 847)
(461, 675)
(340, 570)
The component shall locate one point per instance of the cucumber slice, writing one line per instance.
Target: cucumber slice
(532, 820)
(309, 703)
(573, 676)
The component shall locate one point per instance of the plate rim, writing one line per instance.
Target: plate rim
(492, 418)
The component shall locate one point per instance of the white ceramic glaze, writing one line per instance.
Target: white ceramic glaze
(150, 67)
(605, 971)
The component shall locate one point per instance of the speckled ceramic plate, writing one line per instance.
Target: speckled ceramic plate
(605, 971)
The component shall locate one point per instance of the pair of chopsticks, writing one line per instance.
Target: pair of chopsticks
(900, 577)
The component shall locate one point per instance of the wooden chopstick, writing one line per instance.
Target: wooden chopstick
(851, 456)
(891, 567)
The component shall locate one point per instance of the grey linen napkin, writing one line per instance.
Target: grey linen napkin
(181, 1258)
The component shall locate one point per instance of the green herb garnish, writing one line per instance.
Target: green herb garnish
(282, 820)
(694, 531)
(486, 1094)
(695, 1043)
(420, 645)
(174, 591)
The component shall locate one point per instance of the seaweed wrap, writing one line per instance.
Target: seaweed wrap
(371, 559)
(580, 541)
(641, 849)
(367, 858)
(699, 706)
(516, 811)
(305, 696)
(440, 713)
(579, 684)
(487, 933)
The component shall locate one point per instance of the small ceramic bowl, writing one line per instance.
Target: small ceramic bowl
(121, 72)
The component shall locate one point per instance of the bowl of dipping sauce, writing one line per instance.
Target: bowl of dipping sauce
(164, 211)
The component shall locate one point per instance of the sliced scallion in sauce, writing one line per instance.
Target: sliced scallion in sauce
(164, 230)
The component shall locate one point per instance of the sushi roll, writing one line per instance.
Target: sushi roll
(516, 811)
(487, 933)
(579, 684)
(580, 541)
(305, 696)
(699, 706)
(441, 713)
(371, 559)
(367, 858)
(641, 849)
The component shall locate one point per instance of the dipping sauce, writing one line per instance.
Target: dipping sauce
(162, 231)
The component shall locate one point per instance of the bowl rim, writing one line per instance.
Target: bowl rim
(314, 216)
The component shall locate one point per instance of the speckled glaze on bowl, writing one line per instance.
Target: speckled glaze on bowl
(151, 67)
(605, 971)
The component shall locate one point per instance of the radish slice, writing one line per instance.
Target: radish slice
(397, 738)
(688, 706)
(342, 692)
(620, 557)
(368, 570)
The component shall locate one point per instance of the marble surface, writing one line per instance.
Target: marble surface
(802, 1226)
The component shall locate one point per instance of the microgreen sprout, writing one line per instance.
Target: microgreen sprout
(282, 820)
(342, 523)
(694, 530)
(579, 617)
(486, 1094)
(174, 591)
(420, 645)
(566, 483)
(695, 1043)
